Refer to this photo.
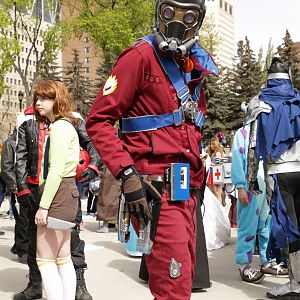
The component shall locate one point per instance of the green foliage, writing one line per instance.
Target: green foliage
(18, 21)
(114, 25)
(77, 85)
(290, 57)
(243, 82)
(8, 47)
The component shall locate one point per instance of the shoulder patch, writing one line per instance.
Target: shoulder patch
(111, 85)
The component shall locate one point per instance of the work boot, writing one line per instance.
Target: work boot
(34, 288)
(81, 290)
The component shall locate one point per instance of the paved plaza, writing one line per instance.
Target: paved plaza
(113, 275)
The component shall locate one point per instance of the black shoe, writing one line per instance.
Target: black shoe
(22, 258)
(251, 275)
(33, 289)
(81, 290)
(13, 249)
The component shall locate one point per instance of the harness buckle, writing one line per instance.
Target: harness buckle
(178, 116)
(190, 109)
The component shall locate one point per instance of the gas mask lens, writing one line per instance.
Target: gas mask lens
(190, 17)
(168, 13)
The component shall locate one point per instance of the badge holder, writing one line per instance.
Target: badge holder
(178, 176)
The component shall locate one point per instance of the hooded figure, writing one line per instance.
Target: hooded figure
(277, 144)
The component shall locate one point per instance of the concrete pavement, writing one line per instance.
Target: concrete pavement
(113, 275)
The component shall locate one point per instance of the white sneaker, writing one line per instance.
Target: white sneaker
(103, 229)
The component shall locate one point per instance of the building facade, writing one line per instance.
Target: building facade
(37, 19)
(222, 13)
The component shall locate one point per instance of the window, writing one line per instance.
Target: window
(226, 6)
(221, 3)
(15, 81)
(86, 60)
(11, 80)
(230, 9)
(3, 102)
(86, 70)
(86, 50)
(23, 60)
(86, 39)
(6, 79)
(15, 92)
(19, 82)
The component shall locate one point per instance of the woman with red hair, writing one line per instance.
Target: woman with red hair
(53, 106)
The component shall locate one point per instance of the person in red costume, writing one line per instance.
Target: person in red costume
(156, 89)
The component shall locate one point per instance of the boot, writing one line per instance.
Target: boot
(290, 290)
(34, 288)
(81, 290)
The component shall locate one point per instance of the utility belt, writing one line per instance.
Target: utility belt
(187, 112)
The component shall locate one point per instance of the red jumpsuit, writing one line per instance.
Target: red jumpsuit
(138, 86)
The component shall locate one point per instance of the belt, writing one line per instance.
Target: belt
(160, 178)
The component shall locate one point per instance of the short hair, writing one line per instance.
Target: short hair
(63, 103)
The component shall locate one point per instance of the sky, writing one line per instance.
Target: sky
(261, 20)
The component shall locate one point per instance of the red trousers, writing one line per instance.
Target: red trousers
(175, 238)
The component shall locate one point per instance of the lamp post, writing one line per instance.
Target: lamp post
(20, 97)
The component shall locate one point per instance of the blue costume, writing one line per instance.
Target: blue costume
(252, 218)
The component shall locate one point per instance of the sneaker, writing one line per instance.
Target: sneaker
(251, 275)
(288, 291)
(103, 229)
(274, 269)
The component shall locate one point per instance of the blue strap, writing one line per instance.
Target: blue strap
(171, 69)
(152, 122)
(145, 123)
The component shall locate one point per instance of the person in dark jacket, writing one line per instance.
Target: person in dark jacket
(29, 159)
(20, 246)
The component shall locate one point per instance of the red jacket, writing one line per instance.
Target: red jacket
(138, 87)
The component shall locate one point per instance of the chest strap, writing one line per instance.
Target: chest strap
(189, 104)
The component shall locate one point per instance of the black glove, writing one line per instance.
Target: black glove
(135, 190)
(26, 200)
(87, 175)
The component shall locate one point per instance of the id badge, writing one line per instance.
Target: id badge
(180, 181)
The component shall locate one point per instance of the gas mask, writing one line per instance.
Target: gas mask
(177, 23)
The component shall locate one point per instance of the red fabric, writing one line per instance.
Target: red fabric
(24, 192)
(143, 89)
(175, 238)
(28, 110)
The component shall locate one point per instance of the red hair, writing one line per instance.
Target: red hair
(63, 103)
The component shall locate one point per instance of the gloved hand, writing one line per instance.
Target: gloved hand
(26, 200)
(87, 175)
(135, 188)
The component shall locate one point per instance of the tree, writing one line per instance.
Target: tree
(290, 58)
(78, 87)
(243, 82)
(8, 46)
(119, 22)
(25, 24)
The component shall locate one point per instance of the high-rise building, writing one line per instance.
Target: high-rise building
(89, 54)
(222, 13)
(14, 96)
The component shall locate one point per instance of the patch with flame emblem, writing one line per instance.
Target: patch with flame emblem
(111, 85)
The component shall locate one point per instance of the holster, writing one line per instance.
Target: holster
(155, 211)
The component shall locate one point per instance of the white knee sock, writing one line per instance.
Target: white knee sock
(68, 277)
(51, 280)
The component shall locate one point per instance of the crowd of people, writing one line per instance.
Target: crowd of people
(154, 162)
